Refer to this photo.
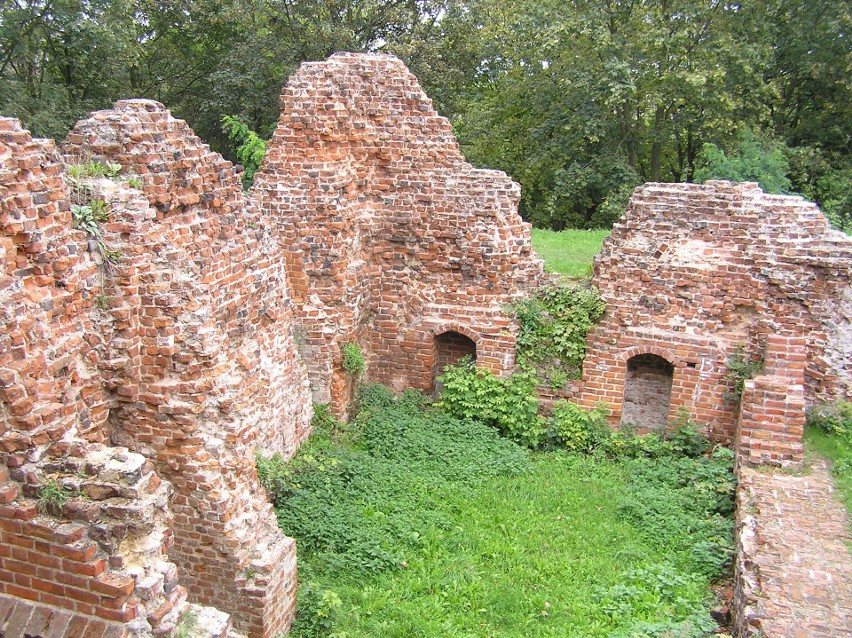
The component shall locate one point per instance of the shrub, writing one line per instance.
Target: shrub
(685, 437)
(576, 429)
(508, 404)
(249, 146)
(740, 368)
(316, 611)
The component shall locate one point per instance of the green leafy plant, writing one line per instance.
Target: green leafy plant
(187, 624)
(685, 437)
(756, 158)
(88, 218)
(402, 524)
(577, 429)
(51, 497)
(249, 146)
(353, 359)
(553, 326)
(135, 182)
(316, 611)
(740, 368)
(324, 423)
(509, 404)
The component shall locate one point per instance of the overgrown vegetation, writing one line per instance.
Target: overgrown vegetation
(353, 359)
(576, 101)
(417, 523)
(829, 433)
(553, 325)
(51, 497)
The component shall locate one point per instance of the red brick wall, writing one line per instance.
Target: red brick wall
(691, 271)
(205, 366)
(392, 237)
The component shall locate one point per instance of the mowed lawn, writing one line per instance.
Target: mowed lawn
(568, 252)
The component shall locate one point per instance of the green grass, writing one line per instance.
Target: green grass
(838, 449)
(429, 526)
(568, 252)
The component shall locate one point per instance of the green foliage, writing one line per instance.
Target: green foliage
(685, 437)
(93, 169)
(685, 505)
(186, 627)
(363, 508)
(429, 525)
(740, 368)
(554, 323)
(89, 218)
(325, 424)
(248, 147)
(51, 497)
(576, 429)
(317, 610)
(832, 418)
(508, 404)
(135, 182)
(755, 159)
(353, 359)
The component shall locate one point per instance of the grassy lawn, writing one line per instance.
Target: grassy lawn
(414, 523)
(838, 449)
(569, 252)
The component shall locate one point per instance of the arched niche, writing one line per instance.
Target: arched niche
(647, 391)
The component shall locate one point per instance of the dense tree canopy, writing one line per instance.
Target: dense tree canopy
(577, 100)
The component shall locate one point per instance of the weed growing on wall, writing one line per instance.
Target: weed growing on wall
(353, 359)
(425, 524)
(51, 497)
(741, 367)
(553, 325)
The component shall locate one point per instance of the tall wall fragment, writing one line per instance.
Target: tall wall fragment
(97, 548)
(692, 272)
(393, 239)
(206, 370)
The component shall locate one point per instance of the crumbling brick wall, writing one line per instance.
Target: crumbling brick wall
(691, 271)
(206, 369)
(101, 553)
(393, 238)
(182, 351)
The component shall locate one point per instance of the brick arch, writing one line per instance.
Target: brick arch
(442, 328)
(625, 355)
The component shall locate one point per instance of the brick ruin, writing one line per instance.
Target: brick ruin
(394, 241)
(145, 387)
(691, 275)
